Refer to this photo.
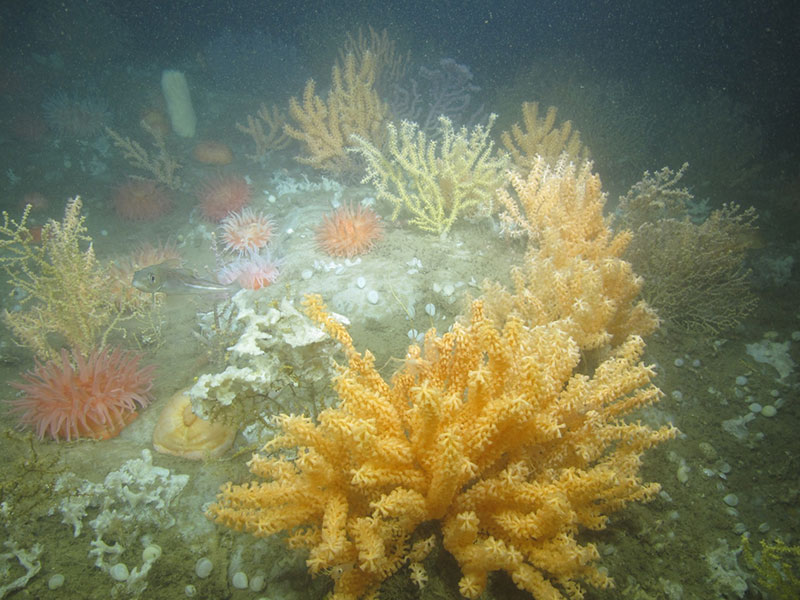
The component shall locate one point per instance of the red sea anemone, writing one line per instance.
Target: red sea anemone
(75, 396)
(141, 200)
(349, 231)
(223, 196)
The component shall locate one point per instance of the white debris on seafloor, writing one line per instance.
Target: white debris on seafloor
(132, 501)
(27, 559)
(278, 350)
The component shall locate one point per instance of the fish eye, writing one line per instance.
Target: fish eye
(152, 278)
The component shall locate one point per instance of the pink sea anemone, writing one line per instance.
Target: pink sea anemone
(252, 273)
(76, 396)
(247, 231)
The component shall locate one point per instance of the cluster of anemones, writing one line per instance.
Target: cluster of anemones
(248, 233)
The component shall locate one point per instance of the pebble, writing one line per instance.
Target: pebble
(769, 411)
(741, 380)
(683, 473)
(373, 297)
(239, 580)
(56, 581)
(678, 362)
(755, 407)
(731, 500)
(306, 274)
(361, 283)
(448, 289)
(430, 309)
(119, 572)
(696, 363)
(203, 567)
(190, 591)
(677, 395)
(708, 450)
(257, 583)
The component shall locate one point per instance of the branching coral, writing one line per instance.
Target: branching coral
(274, 138)
(353, 107)
(434, 180)
(540, 137)
(390, 63)
(573, 272)
(777, 567)
(68, 297)
(490, 432)
(695, 272)
(161, 165)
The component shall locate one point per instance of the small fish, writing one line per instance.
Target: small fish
(169, 278)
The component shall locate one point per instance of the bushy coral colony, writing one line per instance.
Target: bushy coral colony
(502, 438)
(491, 430)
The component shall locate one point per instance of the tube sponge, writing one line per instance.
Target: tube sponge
(179, 103)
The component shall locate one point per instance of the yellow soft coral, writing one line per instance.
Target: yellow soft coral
(491, 432)
(434, 181)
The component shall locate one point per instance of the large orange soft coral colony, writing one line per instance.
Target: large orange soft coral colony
(490, 431)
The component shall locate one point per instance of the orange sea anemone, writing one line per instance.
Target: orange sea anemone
(180, 432)
(223, 196)
(78, 397)
(349, 231)
(141, 200)
(212, 153)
